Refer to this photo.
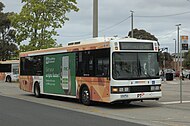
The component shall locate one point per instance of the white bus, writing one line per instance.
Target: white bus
(9, 70)
(99, 69)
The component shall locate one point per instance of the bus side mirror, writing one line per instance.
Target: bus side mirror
(158, 56)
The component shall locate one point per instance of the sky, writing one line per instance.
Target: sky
(158, 17)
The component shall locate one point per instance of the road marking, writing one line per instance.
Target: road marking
(173, 102)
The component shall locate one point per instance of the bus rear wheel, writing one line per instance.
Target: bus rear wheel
(37, 90)
(85, 96)
(8, 79)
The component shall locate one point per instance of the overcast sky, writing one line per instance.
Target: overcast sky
(158, 17)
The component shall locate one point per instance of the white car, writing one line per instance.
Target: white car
(169, 71)
(186, 73)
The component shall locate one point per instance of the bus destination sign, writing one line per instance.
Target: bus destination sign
(136, 46)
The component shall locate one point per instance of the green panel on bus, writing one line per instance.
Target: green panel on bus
(59, 74)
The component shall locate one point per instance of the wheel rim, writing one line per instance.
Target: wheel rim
(85, 96)
(8, 79)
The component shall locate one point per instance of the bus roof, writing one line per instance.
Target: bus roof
(87, 44)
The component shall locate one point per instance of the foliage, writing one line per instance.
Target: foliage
(167, 58)
(142, 34)
(8, 48)
(38, 20)
(1, 6)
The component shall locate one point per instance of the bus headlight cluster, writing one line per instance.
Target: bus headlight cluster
(120, 89)
(155, 88)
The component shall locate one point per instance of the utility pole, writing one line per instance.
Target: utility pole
(178, 25)
(175, 66)
(95, 18)
(132, 23)
(179, 64)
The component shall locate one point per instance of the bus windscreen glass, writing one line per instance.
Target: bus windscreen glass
(135, 66)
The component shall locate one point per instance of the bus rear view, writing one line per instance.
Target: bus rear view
(9, 70)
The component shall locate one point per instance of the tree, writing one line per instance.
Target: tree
(1, 7)
(8, 48)
(168, 59)
(38, 20)
(186, 61)
(142, 34)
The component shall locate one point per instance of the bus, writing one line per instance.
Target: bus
(9, 70)
(99, 69)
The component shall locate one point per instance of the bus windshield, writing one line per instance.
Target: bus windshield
(138, 65)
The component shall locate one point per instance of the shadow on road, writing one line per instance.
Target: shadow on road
(118, 105)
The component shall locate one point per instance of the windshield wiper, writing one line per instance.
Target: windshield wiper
(142, 70)
(139, 68)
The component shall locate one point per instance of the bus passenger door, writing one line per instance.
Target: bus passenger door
(68, 73)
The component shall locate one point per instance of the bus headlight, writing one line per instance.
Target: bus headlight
(152, 88)
(120, 89)
(155, 88)
(126, 89)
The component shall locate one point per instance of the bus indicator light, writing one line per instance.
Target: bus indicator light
(114, 89)
(116, 46)
(156, 48)
(120, 90)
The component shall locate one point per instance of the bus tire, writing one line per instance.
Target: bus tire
(127, 102)
(85, 96)
(37, 90)
(8, 79)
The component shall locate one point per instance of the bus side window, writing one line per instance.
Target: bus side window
(15, 68)
(31, 65)
(102, 67)
(93, 63)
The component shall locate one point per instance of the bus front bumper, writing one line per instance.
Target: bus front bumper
(135, 96)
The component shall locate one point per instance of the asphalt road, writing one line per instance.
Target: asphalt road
(165, 112)
(15, 112)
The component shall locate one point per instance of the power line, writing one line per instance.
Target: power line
(77, 36)
(103, 30)
(170, 33)
(186, 31)
(165, 35)
(169, 15)
(116, 24)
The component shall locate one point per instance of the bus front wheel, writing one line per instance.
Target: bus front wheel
(85, 95)
(37, 90)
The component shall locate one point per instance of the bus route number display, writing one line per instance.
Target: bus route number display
(136, 46)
